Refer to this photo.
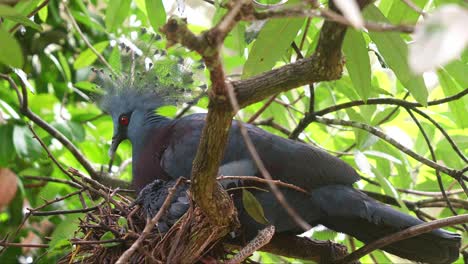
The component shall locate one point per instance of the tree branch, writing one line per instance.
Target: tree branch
(449, 171)
(404, 234)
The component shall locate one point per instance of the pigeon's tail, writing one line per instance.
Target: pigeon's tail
(352, 212)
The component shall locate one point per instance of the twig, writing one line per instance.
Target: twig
(444, 132)
(37, 9)
(9, 244)
(86, 41)
(288, 106)
(451, 172)
(253, 178)
(413, 6)
(149, 225)
(98, 188)
(58, 199)
(189, 105)
(304, 34)
(434, 158)
(414, 192)
(96, 242)
(51, 179)
(301, 11)
(262, 109)
(404, 234)
(433, 194)
(63, 212)
(269, 122)
(49, 154)
(391, 101)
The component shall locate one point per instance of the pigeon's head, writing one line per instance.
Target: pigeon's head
(133, 102)
(132, 109)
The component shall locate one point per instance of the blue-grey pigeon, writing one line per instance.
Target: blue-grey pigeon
(164, 149)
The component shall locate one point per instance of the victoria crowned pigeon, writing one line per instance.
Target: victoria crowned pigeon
(164, 149)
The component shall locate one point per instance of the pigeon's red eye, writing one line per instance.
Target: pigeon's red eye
(124, 120)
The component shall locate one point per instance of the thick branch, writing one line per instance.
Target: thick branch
(325, 65)
(305, 248)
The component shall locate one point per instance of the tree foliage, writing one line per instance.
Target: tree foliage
(403, 127)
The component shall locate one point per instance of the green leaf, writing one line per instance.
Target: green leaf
(156, 13)
(395, 52)
(10, 50)
(7, 148)
(361, 136)
(357, 62)
(26, 146)
(400, 12)
(458, 108)
(387, 115)
(444, 151)
(403, 167)
(389, 189)
(88, 57)
(117, 11)
(87, 20)
(64, 231)
(458, 70)
(11, 13)
(122, 222)
(87, 86)
(65, 66)
(43, 13)
(115, 60)
(108, 236)
(253, 207)
(72, 131)
(271, 44)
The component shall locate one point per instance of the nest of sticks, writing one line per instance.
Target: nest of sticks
(107, 234)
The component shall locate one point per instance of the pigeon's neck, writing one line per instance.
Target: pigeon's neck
(150, 126)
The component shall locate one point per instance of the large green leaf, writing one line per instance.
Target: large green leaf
(117, 11)
(10, 50)
(11, 13)
(458, 108)
(87, 20)
(400, 12)
(64, 231)
(395, 52)
(357, 62)
(25, 144)
(458, 70)
(271, 44)
(156, 13)
(115, 59)
(87, 57)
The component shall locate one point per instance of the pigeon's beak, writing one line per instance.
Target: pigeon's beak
(116, 139)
